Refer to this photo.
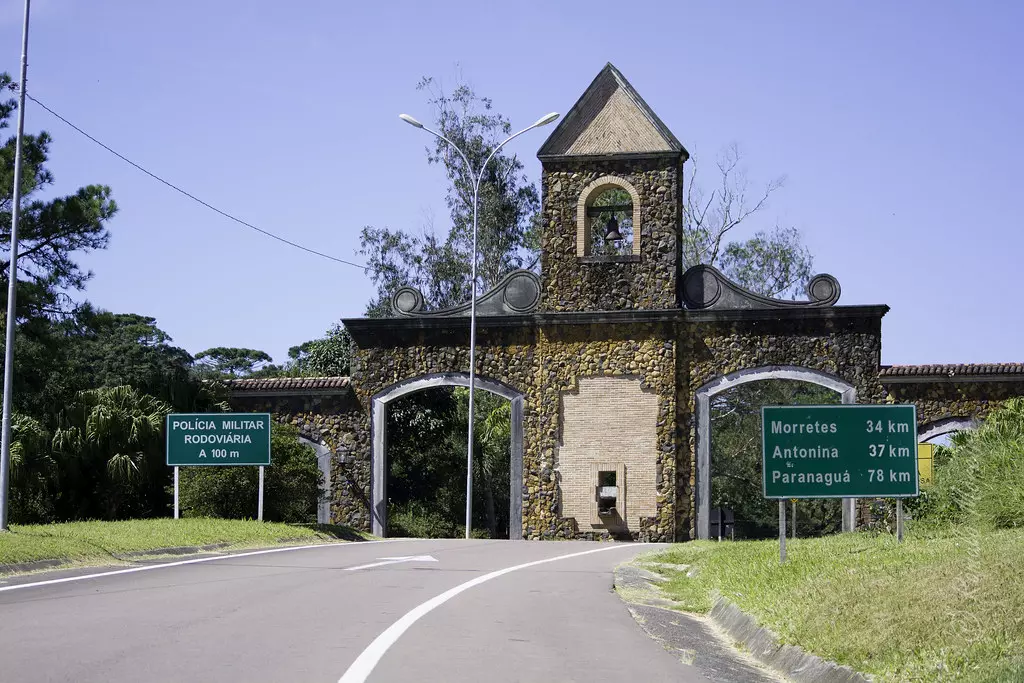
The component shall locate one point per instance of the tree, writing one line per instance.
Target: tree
(51, 231)
(224, 361)
(439, 266)
(116, 349)
(492, 459)
(773, 262)
(33, 471)
(111, 443)
(90, 348)
(327, 356)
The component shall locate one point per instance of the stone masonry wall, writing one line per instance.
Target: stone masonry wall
(338, 423)
(848, 349)
(569, 283)
(543, 364)
(938, 400)
(571, 354)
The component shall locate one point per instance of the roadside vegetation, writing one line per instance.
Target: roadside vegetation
(947, 604)
(98, 542)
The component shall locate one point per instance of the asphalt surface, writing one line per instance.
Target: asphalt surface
(314, 615)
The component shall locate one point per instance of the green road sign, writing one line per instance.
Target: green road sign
(218, 439)
(846, 451)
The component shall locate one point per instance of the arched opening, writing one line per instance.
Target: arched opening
(419, 457)
(739, 509)
(323, 459)
(705, 410)
(933, 432)
(934, 436)
(608, 219)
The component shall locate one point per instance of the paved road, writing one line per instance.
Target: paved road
(492, 611)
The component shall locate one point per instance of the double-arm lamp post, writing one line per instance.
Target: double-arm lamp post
(477, 176)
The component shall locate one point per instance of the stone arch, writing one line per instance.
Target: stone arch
(378, 439)
(937, 428)
(591, 192)
(323, 461)
(702, 421)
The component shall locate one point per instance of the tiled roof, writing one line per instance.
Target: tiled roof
(964, 370)
(271, 384)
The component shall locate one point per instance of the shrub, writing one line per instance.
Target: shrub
(415, 519)
(979, 479)
(292, 488)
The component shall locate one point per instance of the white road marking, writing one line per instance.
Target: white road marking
(393, 560)
(364, 664)
(198, 560)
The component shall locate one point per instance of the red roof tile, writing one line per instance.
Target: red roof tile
(966, 370)
(268, 384)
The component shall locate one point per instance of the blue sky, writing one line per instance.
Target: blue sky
(897, 126)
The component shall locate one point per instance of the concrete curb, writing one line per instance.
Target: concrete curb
(639, 586)
(692, 638)
(18, 567)
(788, 660)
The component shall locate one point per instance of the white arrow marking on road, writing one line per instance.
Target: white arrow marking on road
(393, 560)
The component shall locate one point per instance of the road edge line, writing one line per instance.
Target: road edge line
(198, 560)
(360, 669)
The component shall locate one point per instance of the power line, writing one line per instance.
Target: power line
(191, 196)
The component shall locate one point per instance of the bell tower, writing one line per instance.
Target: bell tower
(612, 204)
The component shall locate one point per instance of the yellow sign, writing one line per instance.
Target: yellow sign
(925, 458)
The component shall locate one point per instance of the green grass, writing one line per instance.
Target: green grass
(101, 542)
(940, 607)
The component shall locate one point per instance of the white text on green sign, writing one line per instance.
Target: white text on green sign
(855, 451)
(218, 439)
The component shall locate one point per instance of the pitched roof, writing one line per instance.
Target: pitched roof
(970, 371)
(271, 385)
(610, 118)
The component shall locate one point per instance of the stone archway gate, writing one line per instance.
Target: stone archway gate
(555, 366)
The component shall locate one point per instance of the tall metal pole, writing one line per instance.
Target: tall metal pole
(477, 177)
(12, 284)
(472, 356)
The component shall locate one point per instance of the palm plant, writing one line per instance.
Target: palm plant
(33, 470)
(111, 441)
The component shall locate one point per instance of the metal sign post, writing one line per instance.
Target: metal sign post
(176, 508)
(899, 520)
(259, 505)
(782, 532)
(794, 518)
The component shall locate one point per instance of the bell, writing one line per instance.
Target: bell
(612, 230)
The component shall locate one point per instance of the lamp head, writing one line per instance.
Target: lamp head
(410, 120)
(546, 119)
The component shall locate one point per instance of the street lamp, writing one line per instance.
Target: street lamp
(478, 176)
(12, 285)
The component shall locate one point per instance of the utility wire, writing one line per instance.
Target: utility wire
(192, 196)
